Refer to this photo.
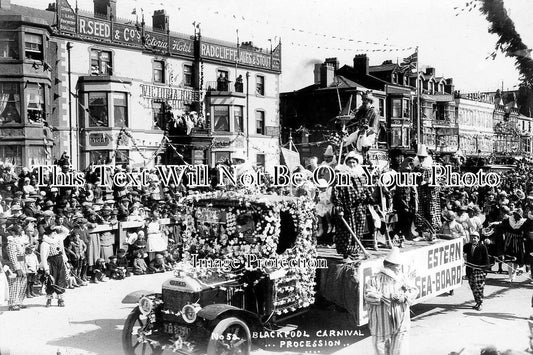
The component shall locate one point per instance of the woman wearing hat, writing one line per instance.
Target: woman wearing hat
(389, 295)
(155, 241)
(429, 196)
(513, 232)
(350, 203)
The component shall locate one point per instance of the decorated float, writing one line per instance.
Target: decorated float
(249, 263)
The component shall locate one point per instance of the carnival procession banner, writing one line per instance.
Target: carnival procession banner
(437, 268)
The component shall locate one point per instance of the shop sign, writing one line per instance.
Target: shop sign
(232, 55)
(126, 34)
(67, 16)
(99, 29)
(156, 41)
(434, 269)
(98, 140)
(166, 93)
(181, 46)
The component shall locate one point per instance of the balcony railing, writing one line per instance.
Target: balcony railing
(225, 86)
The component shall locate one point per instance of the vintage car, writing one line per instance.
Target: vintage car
(249, 262)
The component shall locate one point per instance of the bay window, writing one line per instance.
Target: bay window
(11, 154)
(221, 118)
(33, 46)
(35, 103)
(9, 45)
(99, 157)
(396, 108)
(120, 109)
(10, 103)
(98, 115)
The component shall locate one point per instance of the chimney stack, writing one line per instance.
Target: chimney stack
(360, 64)
(327, 74)
(160, 21)
(430, 71)
(105, 8)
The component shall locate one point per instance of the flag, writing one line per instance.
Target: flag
(410, 62)
(134, 12)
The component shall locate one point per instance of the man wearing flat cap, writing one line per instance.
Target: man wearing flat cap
(388, 296)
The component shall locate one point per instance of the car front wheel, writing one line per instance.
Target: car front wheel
(231, 336)
(133, 325)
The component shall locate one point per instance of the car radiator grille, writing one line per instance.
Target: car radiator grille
(175, 300)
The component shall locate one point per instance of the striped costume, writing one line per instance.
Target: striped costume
(17, 285)
(429, 200)
(477, 258)
(351, 200)
(389, 320)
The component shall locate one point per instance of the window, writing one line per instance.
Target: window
(239, 118)
(222, 80)
(381, 104)
(99, 157)
(260, 85)
(37, 155)
(122, 157)
(159, 111)
(187, 75)
(120, 109)
(101, 62)
(400, 136)
(10, 103)
(260, 122)
(406, 108)
(221, 118)
(9, 45)
(159, 71)
(98, 116)
(396, 108)
(394, 78)
(11, 154)
(35, 103)
(221, 156)
(260, 160)
(33, 46)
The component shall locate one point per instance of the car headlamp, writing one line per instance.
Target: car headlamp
(146, 305)
(189, 312)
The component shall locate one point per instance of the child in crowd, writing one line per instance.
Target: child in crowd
(122, 261)
(76, 253)
(169, 259)
(32, 264)
(114, 271)
(158, 264)
(99, 271)
(139, 265)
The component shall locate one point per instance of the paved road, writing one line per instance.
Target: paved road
(91, 323)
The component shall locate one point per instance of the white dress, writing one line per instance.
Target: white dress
(155, 241)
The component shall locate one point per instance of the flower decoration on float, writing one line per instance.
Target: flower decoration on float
(263, 242)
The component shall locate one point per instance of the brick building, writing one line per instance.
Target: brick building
(106, 90)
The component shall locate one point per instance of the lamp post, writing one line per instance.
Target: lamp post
(69, 47)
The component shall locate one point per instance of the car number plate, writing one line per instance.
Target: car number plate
(172, 328)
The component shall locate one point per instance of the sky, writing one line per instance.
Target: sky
(455, 43)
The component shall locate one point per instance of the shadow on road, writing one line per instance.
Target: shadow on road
(89, 341)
